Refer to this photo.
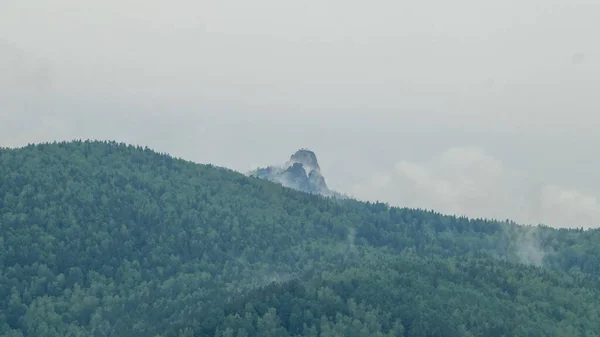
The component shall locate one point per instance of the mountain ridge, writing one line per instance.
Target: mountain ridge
(106, 239)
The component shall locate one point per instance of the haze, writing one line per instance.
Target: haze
(488, 109)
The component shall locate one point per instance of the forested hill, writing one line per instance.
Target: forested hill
(104, 239)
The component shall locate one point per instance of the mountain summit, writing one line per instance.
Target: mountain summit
(307, 158)
(301, 172)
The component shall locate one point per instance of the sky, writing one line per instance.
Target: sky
(478, 108)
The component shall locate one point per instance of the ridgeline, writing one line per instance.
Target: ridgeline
(107, 239)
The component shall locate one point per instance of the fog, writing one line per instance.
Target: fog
(478, 108)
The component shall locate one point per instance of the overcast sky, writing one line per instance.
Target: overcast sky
(483, 108)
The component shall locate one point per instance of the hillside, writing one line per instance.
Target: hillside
(105, 239)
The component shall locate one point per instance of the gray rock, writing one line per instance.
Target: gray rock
(301, 172)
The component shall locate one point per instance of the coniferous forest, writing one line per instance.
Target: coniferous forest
(107, 239)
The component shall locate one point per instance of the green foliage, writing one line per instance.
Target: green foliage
(105, 239)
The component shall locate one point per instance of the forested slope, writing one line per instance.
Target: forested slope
(105, 239)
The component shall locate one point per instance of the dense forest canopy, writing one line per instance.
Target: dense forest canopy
(107, 239)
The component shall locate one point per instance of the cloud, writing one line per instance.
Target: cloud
(25, 97)
(236, 82)
(468, 181)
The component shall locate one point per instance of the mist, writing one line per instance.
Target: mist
(469, 182)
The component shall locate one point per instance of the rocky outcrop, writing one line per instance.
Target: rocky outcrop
(301, 172)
